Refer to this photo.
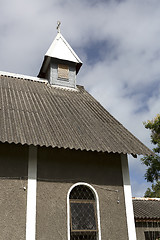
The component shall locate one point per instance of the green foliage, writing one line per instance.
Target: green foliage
(155, 192)
(153, 162)
(153, 168)
(154, 126)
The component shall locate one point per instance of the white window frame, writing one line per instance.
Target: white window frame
(97, 207)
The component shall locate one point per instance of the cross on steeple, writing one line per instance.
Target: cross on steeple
(58, 26)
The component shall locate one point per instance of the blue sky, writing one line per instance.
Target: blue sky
(118, 42)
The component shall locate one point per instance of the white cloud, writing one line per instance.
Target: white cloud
(125, 76)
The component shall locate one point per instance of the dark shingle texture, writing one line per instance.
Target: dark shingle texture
(146, 208)
(35, 113)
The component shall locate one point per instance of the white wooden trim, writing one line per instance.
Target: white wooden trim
(128, 198)
(31, 194)
(36, 79)
(97, 205)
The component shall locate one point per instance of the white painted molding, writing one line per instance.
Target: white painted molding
(128, 198)
(97, 205)
(36, 79)
(66, 88)
(25, 77)
(31, 194)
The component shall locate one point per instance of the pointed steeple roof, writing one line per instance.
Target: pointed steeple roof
(60, 49)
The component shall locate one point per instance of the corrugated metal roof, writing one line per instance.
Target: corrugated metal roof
(146, 208)
(35, 113)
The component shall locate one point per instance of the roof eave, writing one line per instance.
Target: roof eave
(46, 63)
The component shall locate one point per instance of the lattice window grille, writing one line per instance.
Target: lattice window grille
(83, 218)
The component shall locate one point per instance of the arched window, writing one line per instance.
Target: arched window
(83, 214)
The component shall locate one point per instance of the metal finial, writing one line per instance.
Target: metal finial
(58, 26)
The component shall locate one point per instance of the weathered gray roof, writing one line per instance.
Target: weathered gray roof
(146, 208)
(33, 112)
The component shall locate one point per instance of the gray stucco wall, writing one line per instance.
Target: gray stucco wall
(142, 227)
(13, 168)
(58, 170)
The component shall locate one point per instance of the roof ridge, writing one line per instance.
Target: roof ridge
(21, 76)
(37, 79)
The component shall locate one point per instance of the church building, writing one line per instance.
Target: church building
(64, 169)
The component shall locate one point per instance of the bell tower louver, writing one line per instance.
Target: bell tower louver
(61, 64)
